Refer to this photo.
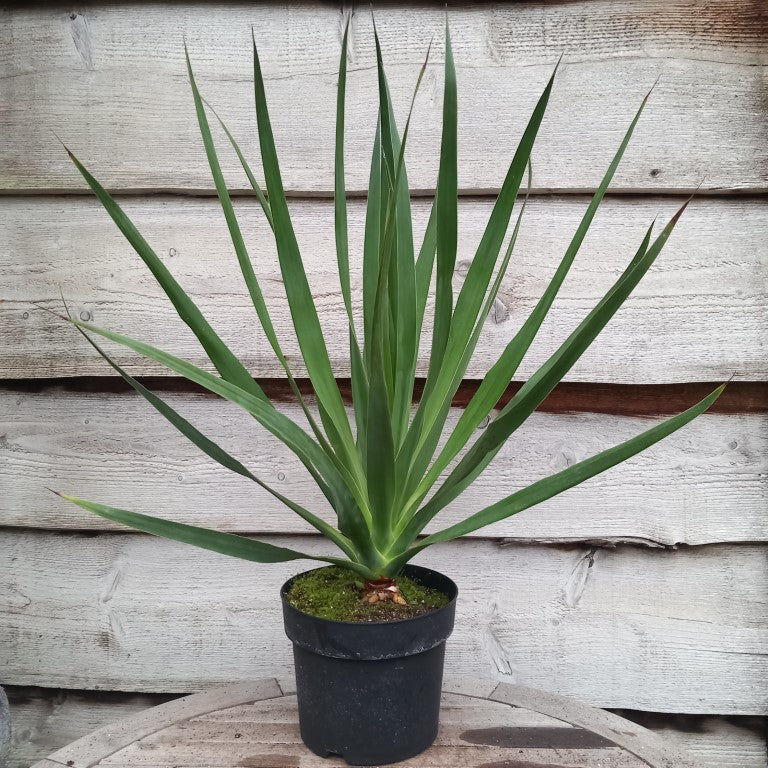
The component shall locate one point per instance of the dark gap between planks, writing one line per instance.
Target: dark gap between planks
(569, 397)
(474, 194)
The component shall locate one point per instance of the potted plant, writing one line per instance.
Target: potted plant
(369, 679)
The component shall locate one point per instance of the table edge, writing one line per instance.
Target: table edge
(87, 751)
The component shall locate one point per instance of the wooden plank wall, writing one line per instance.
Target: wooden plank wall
(643, 590)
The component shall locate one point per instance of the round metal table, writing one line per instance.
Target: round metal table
(483, 724)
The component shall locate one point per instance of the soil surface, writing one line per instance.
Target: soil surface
(335, 593)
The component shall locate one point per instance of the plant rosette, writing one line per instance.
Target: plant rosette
(384, 473)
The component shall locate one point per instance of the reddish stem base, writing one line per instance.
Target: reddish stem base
(382, 590)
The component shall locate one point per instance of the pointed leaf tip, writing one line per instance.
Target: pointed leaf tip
(673, 221)
(50, 311)
(651, 89)
(61, 141)
(64, 302)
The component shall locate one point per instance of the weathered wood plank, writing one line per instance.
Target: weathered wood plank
(177, 747)
(270, 729)
(701, 314)
(722, 742)
(706, 484)
(134, 613)
(111, 80)
(266, 732)
(46, 720)
(112, 740)
(630, 737)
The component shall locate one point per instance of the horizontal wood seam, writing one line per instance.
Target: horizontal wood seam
(589, 546)
(468, 195)
(568, 397)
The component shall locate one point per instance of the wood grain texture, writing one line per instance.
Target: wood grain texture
(701, 313)
(228, 726)
(730, 742)
(110, 79)
(265, 733)
(708, 483)
(129, 612)
(46, 720)
(107, 743)
(631, 738)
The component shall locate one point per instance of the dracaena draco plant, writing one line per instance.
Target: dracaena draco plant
(381, 470)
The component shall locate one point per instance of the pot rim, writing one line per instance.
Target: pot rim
(396, 622)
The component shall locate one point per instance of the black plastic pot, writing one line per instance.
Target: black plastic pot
(369, 692)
